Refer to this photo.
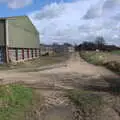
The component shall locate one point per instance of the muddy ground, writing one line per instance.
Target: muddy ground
(52, 81)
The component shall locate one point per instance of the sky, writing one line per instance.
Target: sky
(72, 21)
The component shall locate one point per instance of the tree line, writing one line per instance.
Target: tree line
(98, 44)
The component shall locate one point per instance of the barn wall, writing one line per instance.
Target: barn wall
(22, 33)
(19, 39)
(20, 54)
(25, 53)
(23, 39)
(34, 53)
(12, 55)
(30, 53)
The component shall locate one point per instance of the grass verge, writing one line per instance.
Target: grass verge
(93, 57)
(85, 99)
(100, 58)
(88, 103)
(117, 52)
(15, 100)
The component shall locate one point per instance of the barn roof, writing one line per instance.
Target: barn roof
(13, 17)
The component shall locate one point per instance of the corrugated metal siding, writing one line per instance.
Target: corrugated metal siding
(2, 32)
(22, 34)
(12, 54)
(24, 22)
(22, 39)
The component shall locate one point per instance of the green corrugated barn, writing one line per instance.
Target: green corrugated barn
(19, 39)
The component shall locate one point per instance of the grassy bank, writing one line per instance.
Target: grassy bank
(117, 52)
(85, 99)
(106, 59)
(88, 103)
(15, 100)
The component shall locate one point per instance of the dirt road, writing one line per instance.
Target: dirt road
(75, 65)
(51, 81)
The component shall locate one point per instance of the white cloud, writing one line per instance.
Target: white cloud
(50, 11)
(78, 21)
(103, 8)
(14, 4)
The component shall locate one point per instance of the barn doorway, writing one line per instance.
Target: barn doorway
(1, 55)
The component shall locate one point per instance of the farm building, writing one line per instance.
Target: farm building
(46, 49)
(19, 39)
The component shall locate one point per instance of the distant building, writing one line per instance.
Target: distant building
(64, 48)
(19, 39)
(46, 49)
(56, 49)
(71, 49)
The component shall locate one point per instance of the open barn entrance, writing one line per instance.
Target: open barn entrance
(2, 55)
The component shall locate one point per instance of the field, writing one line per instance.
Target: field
(111, 60)
(117, 52)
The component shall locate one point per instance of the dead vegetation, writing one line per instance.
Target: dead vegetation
(106, 59)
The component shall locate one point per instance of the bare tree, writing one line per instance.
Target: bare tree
(100, 42)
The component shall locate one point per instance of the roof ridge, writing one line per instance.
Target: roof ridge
(13, 16)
